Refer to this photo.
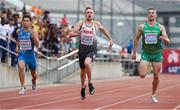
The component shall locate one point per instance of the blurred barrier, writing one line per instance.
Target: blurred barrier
(128, 65)
(171, 63)
(49, 68)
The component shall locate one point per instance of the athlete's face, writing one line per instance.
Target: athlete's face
(152, 15)
(89, 14)
(26, 22)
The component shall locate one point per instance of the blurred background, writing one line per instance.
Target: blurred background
(57, 54)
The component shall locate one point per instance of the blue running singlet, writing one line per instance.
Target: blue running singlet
(26, 49)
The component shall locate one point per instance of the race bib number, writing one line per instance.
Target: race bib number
(150, 38)
(87, 40)
(25, 45)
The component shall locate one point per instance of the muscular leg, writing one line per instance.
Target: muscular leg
(83, 77)
(156, 68)
(143, 67)
(21, 66)
(87, 64)
(33, 74)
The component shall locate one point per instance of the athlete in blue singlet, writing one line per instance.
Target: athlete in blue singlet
(27, 38)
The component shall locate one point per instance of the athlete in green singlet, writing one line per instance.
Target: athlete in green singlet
(153, 35)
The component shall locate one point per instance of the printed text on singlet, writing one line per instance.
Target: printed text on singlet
(25, 44)
(87, 37)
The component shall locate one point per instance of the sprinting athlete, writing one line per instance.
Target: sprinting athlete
(88, 46)
(27, 38)
(153, 34)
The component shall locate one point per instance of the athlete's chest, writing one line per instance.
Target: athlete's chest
(88, 31)
(151, 34)
(25, 35)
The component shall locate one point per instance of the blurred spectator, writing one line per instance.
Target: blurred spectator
(4, 16)
(64, 21)
(2, 6)
(37, 11)
(12, 44)
(130, 47)
(24, 9)
(46, 18)
(52, 41)
(16, 18)
(3, 39)
(73, 40)
(123, 53)
(35, 23)
(65, 40)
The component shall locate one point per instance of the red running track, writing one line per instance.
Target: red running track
(129, 93)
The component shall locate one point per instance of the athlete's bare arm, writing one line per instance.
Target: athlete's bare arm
(105, 32)
(76, 27)
(35, 38)
(17, 43)
(164, 36)
(136, 40)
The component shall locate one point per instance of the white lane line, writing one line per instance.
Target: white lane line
(57, 101)
(132, 98)
(177, 107)
(32, 95)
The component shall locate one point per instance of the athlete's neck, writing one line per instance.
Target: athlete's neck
(26, 29)
(88, 22)
(152, 23)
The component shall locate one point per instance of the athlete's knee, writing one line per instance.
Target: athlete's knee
(155, 82)
(156, 78)
(87, 63)
(33, 67)
(83, 72)
(34, 73)
(21, 67)
(156, 75)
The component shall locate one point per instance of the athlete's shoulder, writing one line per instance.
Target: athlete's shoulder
(18, 30)
(160, 25)
(80, 21)
(141, 26)
(98, 24)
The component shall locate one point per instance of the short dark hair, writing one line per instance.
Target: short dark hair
(88, 8)
(27, 16)
(151, 8)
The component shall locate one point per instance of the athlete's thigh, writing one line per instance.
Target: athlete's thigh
(21, 61)
(88, 60)
(90, 57)
(156, 67)
(143, 67)
(31, 61)
(21, 64)
(81, 60)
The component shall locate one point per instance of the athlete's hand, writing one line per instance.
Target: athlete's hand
(110, 44)
(133, 56)
(17, 50)
(164, 39)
